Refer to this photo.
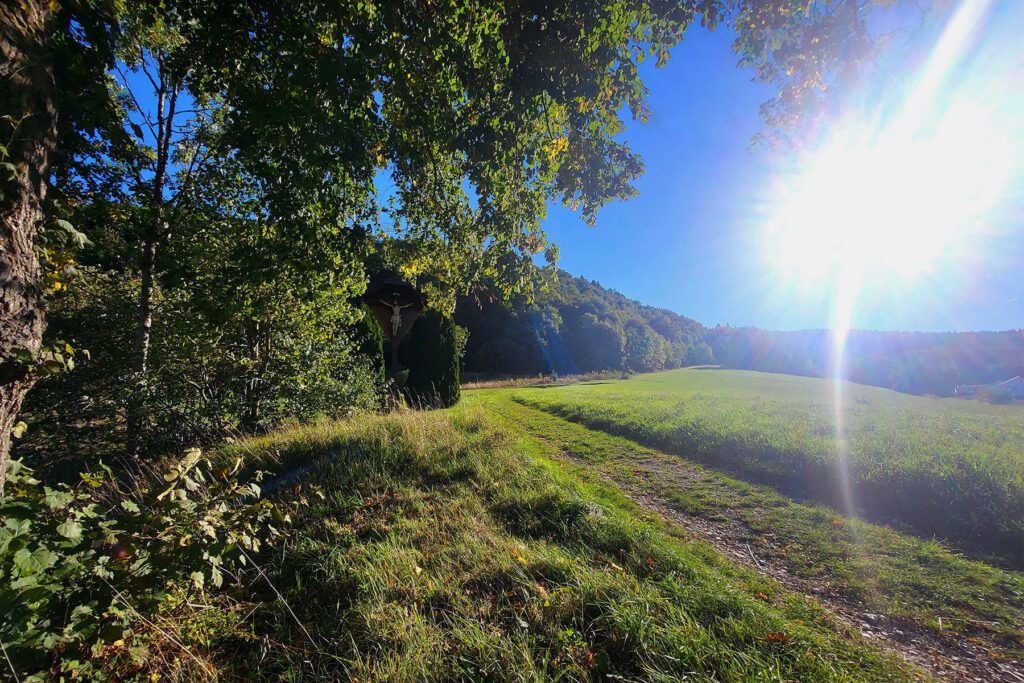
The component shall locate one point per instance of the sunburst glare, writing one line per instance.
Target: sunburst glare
(903, 187)
(898, 190)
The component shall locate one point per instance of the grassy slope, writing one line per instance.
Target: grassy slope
(448, 548)
(943, 466)
(879, 569)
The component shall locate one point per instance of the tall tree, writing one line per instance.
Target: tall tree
(51, 59)
(479, 112)
(27, 101)
(172, 121)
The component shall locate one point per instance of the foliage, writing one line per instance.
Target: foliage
(74, 418)
(594, 343)
(220, 363)
(84, 569)
(700, 353)
(284, 359)
(257, 220)
(574, 325)
(912, 362)
(940, 466)
(371, 342)
(436, 345)
(645, 349)
(814, 53)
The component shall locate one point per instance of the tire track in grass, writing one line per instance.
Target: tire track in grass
(749, 524)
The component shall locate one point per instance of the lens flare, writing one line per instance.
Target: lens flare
(898, 192)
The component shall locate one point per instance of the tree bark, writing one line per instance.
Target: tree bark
(27, 96)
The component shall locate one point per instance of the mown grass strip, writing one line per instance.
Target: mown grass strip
(446, 548)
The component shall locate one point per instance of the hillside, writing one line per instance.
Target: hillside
(575, 325)
(911, 362)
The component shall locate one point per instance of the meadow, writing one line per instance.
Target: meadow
(496, 541)
(940, 467)
(446, 546)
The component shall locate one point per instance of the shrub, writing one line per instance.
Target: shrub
(371, 343)
(436, 345)
(84, 570)
(218, 365)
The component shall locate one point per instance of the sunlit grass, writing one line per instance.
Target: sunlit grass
(448, 548)
(940, 466)
(874, 567)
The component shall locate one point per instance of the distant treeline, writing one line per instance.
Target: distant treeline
(911, 362)
(573, 326)
(576, 325)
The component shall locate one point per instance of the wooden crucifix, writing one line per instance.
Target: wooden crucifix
(395, 305)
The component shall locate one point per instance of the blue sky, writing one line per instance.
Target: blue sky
(691, 240)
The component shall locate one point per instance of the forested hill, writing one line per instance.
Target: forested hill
(576, 325)
(911, 362)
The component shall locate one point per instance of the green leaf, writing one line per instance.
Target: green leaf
(18, 527)
(70, 529)
(73, 235)
(32, 562)
(19, 429)
(57, 500)
(198, 580)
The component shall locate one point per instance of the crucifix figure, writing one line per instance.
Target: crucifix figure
(396, 313)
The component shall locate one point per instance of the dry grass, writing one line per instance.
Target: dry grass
(481, 381)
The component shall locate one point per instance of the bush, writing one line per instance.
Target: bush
(370, 338)
(239, 364)
(436, 345)
(699, 354)
(84, 570)
(74, 415)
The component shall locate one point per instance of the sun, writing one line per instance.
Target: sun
(898, 192)
(892, 204)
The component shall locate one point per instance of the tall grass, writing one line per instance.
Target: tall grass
(445, 548)
(940, 466)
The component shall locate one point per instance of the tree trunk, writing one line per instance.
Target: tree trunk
(166, 102)
(26, 95)
(140, 346)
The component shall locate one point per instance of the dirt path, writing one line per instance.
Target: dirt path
(952, 657)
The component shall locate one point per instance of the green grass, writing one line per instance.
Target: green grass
(449, 547)
(940, 466)
(873, 568)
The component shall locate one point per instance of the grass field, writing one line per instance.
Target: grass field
(502, 541)
(950, 468)
(450, 546)
(862, 570)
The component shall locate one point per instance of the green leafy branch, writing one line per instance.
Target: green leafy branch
(85, 569)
